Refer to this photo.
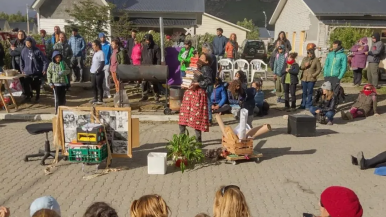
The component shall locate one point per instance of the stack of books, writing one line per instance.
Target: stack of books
(188, 80)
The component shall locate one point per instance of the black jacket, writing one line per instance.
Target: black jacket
(151, 54)
(129, 48)
(15, 54)
(205, 79)
(323, 105)
(2, 55)
(294, 71)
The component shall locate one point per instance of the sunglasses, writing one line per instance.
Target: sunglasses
(368, 89)
(280, 48)
(224, 189)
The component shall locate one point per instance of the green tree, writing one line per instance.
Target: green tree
(18, 17)
(249, 24)
(90, 18)
(121, 25)
(349, 35)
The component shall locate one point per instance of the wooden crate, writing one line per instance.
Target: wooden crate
(239, 147)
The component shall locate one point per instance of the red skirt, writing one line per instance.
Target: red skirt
(194, 110)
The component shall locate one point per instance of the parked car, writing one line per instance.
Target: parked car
(253, 49)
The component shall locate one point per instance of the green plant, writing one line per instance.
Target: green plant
(349, 35)
(186, 149)
(248, 24)
(7, 57)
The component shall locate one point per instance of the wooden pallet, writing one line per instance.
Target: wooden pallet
(234, 158)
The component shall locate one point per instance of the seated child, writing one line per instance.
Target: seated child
(240, 75)
(363, 105)
(57, 78)
(261, 104)
(324, 104)
(219, 98)
(236, 97)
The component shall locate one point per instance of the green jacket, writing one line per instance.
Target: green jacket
(53, 72)
(336, 64)
(121, 57)
(187, 59)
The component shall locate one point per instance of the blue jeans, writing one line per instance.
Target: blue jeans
(308, 90)
(329, 115)
(209, 91)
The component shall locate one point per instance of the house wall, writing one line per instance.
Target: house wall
(297, 17)
(209, 25)
(49, 24)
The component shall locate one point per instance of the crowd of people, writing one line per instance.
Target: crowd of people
(229, 201)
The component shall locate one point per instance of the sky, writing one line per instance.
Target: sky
(13, 6)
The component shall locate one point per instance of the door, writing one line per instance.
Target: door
(293, 41)
(301, 43)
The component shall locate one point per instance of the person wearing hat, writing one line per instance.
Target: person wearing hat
(338, 201)
(374, 56)
(358, 60)
(107, 51)
(34, 64)
(44, 203)
(184, 56)
(78, 47)
(335, 66)
(279, 69)
(324, 104)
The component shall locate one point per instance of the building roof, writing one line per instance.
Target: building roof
(338, 8)
(265, 33)
(356, 23)
(193, 6)
(22, 26)
(154, 22)
(226, 22)
(37, 3)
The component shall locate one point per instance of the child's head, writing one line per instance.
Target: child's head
(100, 209)
(58, 58)
(46, 213)
(230, 201)
(115, 44)
(292, 57)
(202, 215)
(217, 81)
(240, 75)
(256, 85)
(149, 206)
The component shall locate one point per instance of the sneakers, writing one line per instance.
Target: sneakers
(280, 100)
(99, 102)
(290, 109)
(302, 107)
(330, 123)
(354, 161)
(273, 91)
(361, 160)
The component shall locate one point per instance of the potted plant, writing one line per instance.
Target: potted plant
(185, 151)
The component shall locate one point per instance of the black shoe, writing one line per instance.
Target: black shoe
(93, 101)
(302, 107)
(99, 102)
(26, 99)
(157, 99)
(37, 99)
(354, 161)
(361, 160)
(144, 98)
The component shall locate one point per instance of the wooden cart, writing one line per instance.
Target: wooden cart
(4, 81)
(234, 158)
(240, 150)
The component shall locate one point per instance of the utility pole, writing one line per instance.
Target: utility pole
(265, 23)
(27, 19)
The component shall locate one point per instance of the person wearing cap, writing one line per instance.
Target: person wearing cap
(78, 47)
(335, 66)
(106, 48)
(151, 55)
(374, 57)
(311, 69)
(219, 43)
(184, 56)
(130, 44)
(338, 201)
(55, 35)
(324, 103)
(279, 69)
(34, 64)
(45, 202)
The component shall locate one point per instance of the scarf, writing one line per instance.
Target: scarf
(234, 48)
(290, 62)
(368, 92)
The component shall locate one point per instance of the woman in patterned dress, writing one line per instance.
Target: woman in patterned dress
(194, 108)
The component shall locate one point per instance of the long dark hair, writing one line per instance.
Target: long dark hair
(278, 36)
(234, 91)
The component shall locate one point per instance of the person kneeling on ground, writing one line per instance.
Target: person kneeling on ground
(100, 209)
(236, 97)
(149, 206)
(57, 78)
(219, 97)
(326, 106)
(364, 105)
(230, 201)
(375, 162)
(261, 104)
(45, 204)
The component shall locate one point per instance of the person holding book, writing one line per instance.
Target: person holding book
(184, 56)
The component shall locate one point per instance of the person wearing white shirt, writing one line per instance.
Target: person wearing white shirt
(97, 73)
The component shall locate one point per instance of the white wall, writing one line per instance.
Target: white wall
(49, 24)
(209, 25)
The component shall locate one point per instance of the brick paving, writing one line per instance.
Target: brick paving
(287, 182)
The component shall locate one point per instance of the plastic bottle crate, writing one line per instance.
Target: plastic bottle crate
(86, 154)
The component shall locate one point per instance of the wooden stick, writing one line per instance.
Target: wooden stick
(220, 123)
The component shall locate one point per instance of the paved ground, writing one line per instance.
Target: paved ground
(288, 181)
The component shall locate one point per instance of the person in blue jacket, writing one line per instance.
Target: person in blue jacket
(106, 48)
(219, 43)
(78, 47)
(219, 97)
(34, 64)
(261, 105)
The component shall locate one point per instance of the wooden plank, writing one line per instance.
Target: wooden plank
(135, 133)
(10, 94)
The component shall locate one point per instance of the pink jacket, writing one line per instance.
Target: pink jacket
(359, 57)
(136, 54)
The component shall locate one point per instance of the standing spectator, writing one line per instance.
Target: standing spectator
(100, 209)
(149, 206)
(106, 48)
(374, 57)
(207, 49)
(278, 71)
(43, 34)
(358, 61)
(311, 69)
(97, 72)
(130, 44)
(64, 49)
(287, 44)
(290, 80)
(335, 66)
(33, 64)
(2, 55)
(136, 53)
(55, 35)
(44, 203)
(16, 48)
(184, 56)
(272, 59)
(219, 43)
(150, 55)
(232, 47)
(78, 46)
(229, 201)
(117, 58)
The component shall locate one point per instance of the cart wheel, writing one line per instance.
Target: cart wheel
(26, 159)
(234, 162)
(65, 158)
(167, 111)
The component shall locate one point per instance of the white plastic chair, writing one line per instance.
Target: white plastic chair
(226, 67)
(258, 66)
(242, 65)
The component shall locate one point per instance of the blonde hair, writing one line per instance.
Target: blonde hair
(149, 206)
(328, 95)
(46, 213)
(231, 204)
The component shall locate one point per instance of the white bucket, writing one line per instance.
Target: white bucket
(156, 163)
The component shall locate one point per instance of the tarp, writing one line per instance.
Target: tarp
(172, 62)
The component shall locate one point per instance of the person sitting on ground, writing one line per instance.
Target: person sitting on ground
(100, 209)
(57, 78)
(219, 98)
(149, 206)
(4, 212)
(375, 162)
(290, 80)
(240, 75)
(363, 105)
(324, 104)
(261, 105)
(236, 97)
(337, 201)
(230, 202)
(45, 202)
